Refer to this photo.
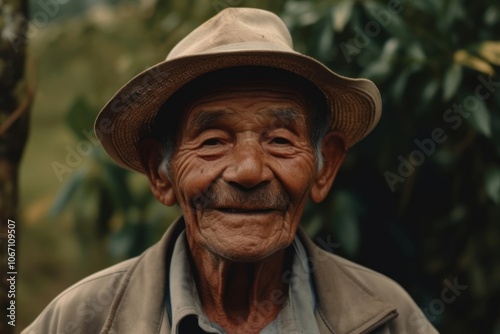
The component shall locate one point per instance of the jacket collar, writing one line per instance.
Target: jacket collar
(345, 305)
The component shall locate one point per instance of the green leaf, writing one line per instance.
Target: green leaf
(341, 14)
(67, 193)
(401, 81)
(381, 68)
(428, 6)
(325, 47)
(115, 180)
(128, 241)
(492, 183)
(313, 226)
(416, 52)
(80, 117)
(451, 12)
(452, 81)
(480, 118)
(345, 221)
(301, 13)
(429, 91)
(391, 22)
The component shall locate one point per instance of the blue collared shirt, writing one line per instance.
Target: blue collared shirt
(185, 309)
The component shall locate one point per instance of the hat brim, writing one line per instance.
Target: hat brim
(129, 115)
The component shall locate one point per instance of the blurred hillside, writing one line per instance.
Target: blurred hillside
(435, 223)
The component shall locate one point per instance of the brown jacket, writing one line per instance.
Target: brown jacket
(129, 298)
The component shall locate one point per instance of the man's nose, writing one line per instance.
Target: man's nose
(248, 167)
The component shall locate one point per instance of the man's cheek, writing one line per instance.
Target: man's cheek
(195, 197)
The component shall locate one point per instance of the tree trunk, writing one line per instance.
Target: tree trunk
(14, 114)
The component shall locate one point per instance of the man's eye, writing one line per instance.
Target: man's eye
(280, 141)
(211, 142)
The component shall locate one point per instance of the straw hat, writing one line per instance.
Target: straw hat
(233, 38)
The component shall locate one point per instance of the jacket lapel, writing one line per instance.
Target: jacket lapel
(345, 305)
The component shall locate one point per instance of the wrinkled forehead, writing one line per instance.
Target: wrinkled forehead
(267, 100)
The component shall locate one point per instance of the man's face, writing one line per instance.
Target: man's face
(243, 169)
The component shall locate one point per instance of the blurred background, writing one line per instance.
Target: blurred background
(418, 199)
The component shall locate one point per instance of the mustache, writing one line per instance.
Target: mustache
(219, 196)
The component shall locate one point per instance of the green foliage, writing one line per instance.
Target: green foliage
(428, 58)
(79, 117)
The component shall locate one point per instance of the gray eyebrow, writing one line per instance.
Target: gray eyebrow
(286, 116)
(205, 118)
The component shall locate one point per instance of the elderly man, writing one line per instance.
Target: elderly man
(239, 131)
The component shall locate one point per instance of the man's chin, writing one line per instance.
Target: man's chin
(243, 238)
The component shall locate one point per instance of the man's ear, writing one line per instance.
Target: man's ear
(333, 151)
(151, 159)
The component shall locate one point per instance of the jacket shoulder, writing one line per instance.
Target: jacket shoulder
(83, 307)
(374, 281)
(410, 317)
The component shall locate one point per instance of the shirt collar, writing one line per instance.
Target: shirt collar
(296, 316)
(183, 292)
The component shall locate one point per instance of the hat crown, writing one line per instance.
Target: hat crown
(235, 28)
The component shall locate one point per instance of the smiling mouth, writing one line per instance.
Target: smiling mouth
(246, 210)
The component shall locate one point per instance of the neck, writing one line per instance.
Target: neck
(242, 297)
